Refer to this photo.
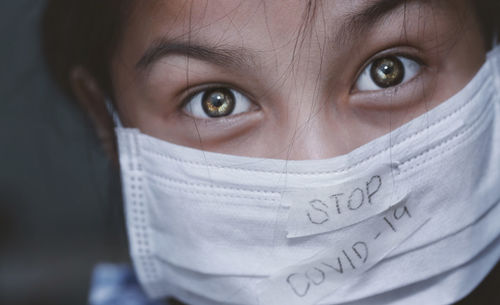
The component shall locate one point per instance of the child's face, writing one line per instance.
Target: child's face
(279, 79)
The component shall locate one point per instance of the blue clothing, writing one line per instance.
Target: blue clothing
(117, 285)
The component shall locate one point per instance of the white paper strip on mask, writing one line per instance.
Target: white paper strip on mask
(316, 278)
(320, 210)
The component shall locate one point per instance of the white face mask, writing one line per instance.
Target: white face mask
(409, 218)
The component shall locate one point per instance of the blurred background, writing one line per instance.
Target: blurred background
(60, 201)
(60, 204)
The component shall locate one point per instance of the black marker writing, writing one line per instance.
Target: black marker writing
(316, 276)
(301, 283)
(357, 247)
(390, 224)
(320, 210)
(320, 214)
(397, 214)
(337, 201)
(355, 202)
(373, 186)
(339, 269)
(295, 281)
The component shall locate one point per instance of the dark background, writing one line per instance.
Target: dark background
(60, 205)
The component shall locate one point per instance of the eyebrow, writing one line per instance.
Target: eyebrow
(238, 58)
(217, 55)
(358, 22)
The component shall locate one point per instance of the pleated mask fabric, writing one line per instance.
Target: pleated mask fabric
(409, 218)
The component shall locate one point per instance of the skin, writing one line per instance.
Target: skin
(299, 75)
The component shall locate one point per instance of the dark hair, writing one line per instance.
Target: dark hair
(82, 32)
(488, 12)
(86, 32)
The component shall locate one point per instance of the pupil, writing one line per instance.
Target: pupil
(218, 102)
(387, 72)
(387, 69)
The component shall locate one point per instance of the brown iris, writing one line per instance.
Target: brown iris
(387, 72)
(218, 102)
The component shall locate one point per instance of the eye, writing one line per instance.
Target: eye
(387, 72)
(217, 102)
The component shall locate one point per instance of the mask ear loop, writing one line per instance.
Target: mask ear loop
(494, 56)
(114, 113)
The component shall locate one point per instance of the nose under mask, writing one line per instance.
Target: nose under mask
(409, 218)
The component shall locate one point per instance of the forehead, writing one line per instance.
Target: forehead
(197, 17)
(280, 28)
(258, 22)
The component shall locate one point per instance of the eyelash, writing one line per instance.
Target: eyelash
(405, 57)
(197, 98)
(363, 75)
